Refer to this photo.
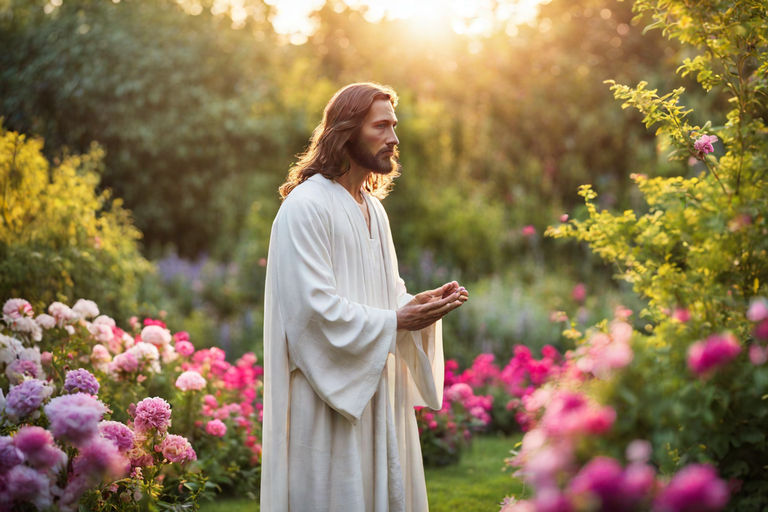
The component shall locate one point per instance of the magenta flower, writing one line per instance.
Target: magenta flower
(528, 230)
(176, 449)
(703, 144)
(695, 488)
(761, 330)
(10, 456)
(81, 380)
(75, 417)
(717, 350)
(118, 433)
(26, 398)
(190, 381)
(152, 413)
(216, 428)
(602, 477)
(40, 451)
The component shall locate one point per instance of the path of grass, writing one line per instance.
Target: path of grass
(476, 484)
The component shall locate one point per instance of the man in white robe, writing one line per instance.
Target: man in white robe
(347, 352)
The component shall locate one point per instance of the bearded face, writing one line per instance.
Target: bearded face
(382, 162)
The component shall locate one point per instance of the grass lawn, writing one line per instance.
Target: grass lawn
(476, 484)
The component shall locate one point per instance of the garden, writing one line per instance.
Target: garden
(594, 171)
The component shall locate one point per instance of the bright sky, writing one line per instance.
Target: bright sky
(472, 17)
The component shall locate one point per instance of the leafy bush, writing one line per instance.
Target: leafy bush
(59, 237)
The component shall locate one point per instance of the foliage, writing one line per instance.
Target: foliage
(697, 253)
(59, 237)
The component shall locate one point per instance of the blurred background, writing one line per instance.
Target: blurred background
(182, 117)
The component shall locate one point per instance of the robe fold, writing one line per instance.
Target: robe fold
(340, 381)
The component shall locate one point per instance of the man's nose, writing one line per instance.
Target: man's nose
(392, 137)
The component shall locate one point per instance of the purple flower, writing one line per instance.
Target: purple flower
(715, 351)
(24, 484)
(37, 445)
(152, 413)
(100, 460)
(695, 488)
(176, 449)
(118, 433)
(81, 380)
(75, 417)
(704, 144)
(19, 369)
(26, 398)
(10, 456)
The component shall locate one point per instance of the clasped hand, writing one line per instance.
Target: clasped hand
(430, 306)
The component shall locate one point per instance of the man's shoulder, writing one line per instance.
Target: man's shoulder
(309, 197)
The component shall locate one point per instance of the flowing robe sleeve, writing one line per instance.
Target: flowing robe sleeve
(339, 345)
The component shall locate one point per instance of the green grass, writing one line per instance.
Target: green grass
(476, 484)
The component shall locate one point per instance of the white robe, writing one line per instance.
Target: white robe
(340, 381)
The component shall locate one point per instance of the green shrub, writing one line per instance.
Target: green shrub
(61, 239)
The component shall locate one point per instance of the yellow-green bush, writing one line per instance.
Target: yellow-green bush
(60, 237)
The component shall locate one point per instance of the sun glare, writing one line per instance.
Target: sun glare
(469, 17)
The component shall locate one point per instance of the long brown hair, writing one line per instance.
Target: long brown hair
(343, 116)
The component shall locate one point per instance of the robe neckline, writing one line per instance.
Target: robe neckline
(352, 207)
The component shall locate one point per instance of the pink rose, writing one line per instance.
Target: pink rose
(717, 350)
(216, 428)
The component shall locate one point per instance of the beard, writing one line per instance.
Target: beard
(380, 163)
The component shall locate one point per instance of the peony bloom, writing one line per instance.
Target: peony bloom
(100, 460)
(176, 449)
(14, 309)
(81, 380)
(703, 144)
(156, 335)
(21, 369)
(62, 313)
(86, 308)
(75, 417)
(758, 355)
(185, 348)
(602, 478)
(10, 455)
(118, 433)
(190, 381)
(216, 428)
(45, 321)
(104, 320)
(25, 485)
(761, 330)
(26, 398)
(639, 450)
(27, 326)
(695, 488)
(717, 350)
(38, 447)
(152, 413)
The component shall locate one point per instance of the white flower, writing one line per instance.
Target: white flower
(45, 321)
(101, 332)
(86, 308)
(28, 326)
(9, 349)
(156, 335)
(169, 354)
(62, 313)
(104, 319)
(16, 308)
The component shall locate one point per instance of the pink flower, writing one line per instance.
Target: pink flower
(152, 413)
(216, 428)
(695, 488)
(190, 381)
(100, 460)
(602, 478)
(38, 447)
(682, 315)
(758, 310)
(118, 433)
(62, 313)
(639, 450)
(758, 355)
(176, 449)
(26, 398)
(761, 330)
(16, 308)
(579, 292)
(528, 231)
(45, 321)
(20, 369)
(75, 417)
(717, 350)
(703, 144)
(564, 217)
(185, 348)
(156, 335)
(181, 336)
